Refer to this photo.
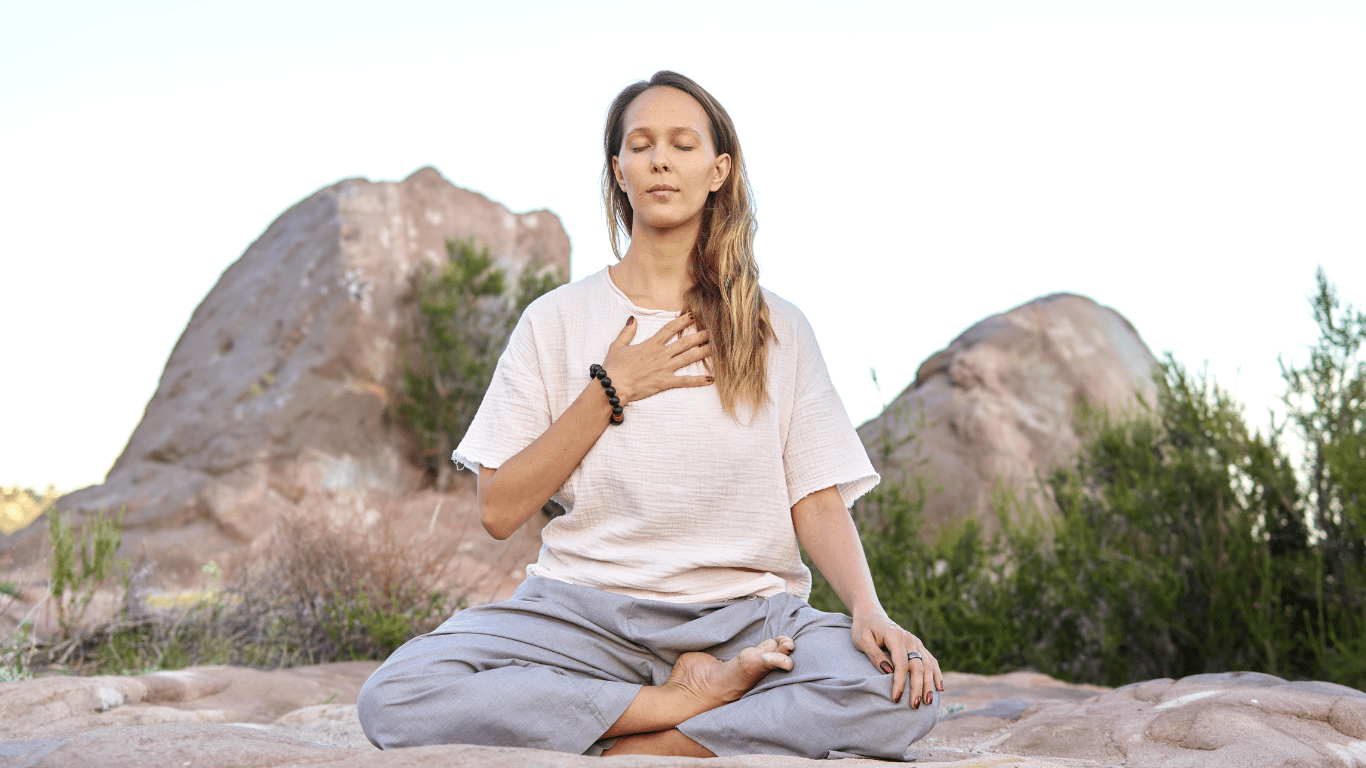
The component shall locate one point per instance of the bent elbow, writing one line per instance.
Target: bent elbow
(494, 522)
(499, 532)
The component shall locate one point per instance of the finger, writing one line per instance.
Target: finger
(687, 342)
(896, 647)
(692, 356)
(690, 381)
(868, 646)
(919, 685)
(934, 671)
(628, 333)
(673, 327)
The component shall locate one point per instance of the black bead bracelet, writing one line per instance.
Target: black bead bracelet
(596, 371)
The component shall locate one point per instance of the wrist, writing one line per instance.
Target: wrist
(624, 391)
(867, 608)
(599, 374)
(593, 395)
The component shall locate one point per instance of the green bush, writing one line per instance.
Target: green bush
(1181, 541)
(1160, 560)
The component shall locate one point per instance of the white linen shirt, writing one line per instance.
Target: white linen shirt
(681, 502)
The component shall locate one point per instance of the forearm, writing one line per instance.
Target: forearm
(829, 536)
(511, 494)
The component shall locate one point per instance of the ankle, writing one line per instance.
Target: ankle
(686, 700)
(671, 743)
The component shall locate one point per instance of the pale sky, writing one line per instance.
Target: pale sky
(918, 165)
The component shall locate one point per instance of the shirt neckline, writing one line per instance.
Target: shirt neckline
(635, 308)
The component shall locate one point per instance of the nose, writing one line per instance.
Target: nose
(659, 160)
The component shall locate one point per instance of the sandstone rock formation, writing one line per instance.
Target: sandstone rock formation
(277, 395)
(998, 403)
(230, 717)
(1232, 718)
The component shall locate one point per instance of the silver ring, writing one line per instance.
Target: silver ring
(914, 655)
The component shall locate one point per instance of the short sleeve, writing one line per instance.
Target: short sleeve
(822, 448)
(515, 409)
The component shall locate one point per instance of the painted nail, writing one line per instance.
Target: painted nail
(630, 319)
(915, 703)
(710, 379)
(929, 697)
(896, 699)
(886, 668)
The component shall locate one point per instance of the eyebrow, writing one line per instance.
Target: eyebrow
(672, 131)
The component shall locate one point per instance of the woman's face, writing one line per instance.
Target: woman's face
(666, 164)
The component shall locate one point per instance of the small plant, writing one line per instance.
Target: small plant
(10, 674)
(80, 564)
(213, 577)
(17, 651)
(466, 312)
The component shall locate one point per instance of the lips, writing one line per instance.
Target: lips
(662, 188)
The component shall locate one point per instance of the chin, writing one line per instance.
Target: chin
(661, 220)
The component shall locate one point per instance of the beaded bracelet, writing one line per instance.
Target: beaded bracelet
(596, 371)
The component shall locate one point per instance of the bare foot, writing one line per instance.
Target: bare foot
(698, 683)
(714, 682)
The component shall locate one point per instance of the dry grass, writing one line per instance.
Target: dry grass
(315, 556)
(324, 589)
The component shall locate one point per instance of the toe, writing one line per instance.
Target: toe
(775, 660)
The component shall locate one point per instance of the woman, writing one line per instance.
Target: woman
(685, 419)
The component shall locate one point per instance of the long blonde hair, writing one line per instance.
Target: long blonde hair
(725, 296)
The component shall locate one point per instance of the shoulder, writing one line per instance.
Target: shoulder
(568, 300)
(789, 323)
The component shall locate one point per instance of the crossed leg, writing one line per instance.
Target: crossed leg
(698, 683)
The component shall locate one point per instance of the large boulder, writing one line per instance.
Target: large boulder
(998, 405)
(279, 394)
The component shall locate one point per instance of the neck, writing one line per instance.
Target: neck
(654, 271)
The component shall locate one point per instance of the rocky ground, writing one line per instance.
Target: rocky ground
(225, 717)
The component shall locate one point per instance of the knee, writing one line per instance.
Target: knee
(913, 723)
(899, 722)
(376, 713)
(402, 706)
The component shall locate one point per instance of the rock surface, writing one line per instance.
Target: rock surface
(230, 717)
(998, 404)
(278, 393)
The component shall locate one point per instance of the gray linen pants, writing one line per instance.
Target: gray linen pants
(556, 665)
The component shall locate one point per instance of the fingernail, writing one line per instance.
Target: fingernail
(630, 319)
(915, 703)
(886, 668)
(896, 699)
(710, 379)
(929, 698)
